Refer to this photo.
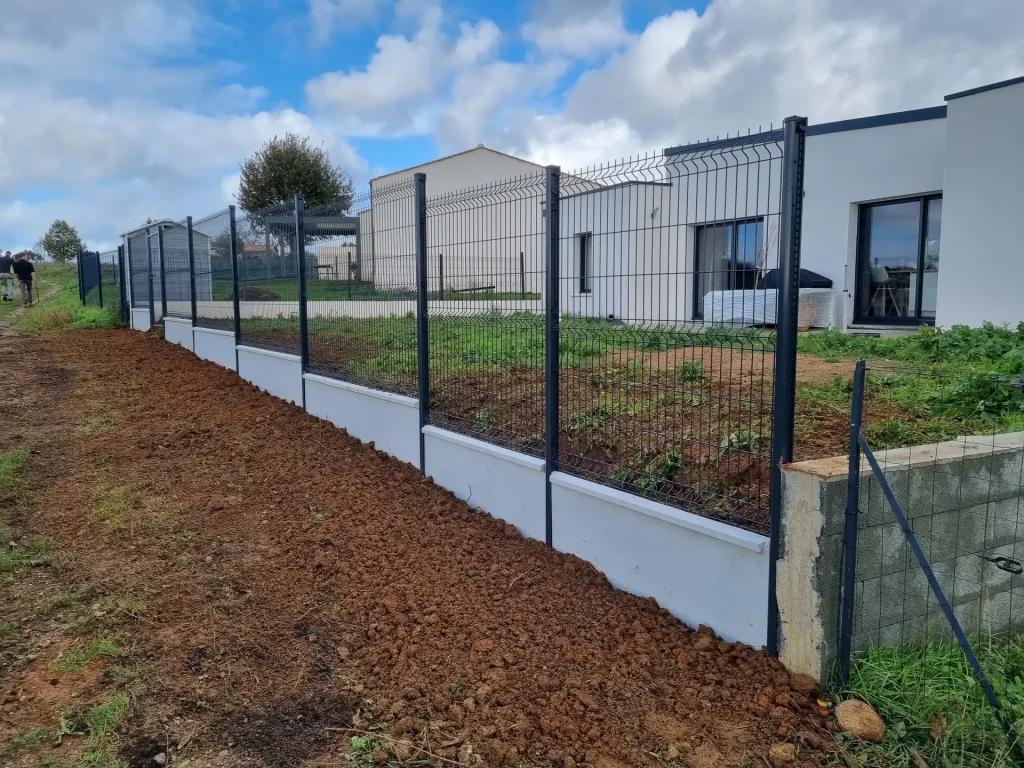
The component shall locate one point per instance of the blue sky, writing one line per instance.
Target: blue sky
(113, 111)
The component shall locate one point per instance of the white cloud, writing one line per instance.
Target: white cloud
(329, 16)
(747, 63)
(566, 27)
(399, 90)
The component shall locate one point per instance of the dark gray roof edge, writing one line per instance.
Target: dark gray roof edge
(762, 137)
(983, 88)
(878, 121)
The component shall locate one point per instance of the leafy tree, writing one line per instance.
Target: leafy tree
(62, 242)
(32, 255)
(284, 166)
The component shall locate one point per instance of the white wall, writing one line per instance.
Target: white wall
(391, 422)
(981, 271)
(215, 345)
(505, 484)
(277, 373)
(846, 168)
(700, 570)
(178, 331)
(140, 319)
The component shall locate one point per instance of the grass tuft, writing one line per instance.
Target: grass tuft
(76, 660)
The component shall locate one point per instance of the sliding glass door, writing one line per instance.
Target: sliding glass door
(898, 261)
(728, 258)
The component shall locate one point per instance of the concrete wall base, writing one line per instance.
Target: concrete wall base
(140, 319)
(178, 331)
(276, 372)
(215, 345)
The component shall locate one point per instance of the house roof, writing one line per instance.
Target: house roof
(610, 187)
(761, 137)
(156, 223)
(983, 88)
(477, 148)
(877, 121)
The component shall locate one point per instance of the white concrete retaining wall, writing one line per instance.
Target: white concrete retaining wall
(215, 345)
(505, 484)
(278, 373)
(178, 331)
(391, 422)
(140, 319)
(700, 570)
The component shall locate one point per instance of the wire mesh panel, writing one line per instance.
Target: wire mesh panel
(361, 289)
(214, 280)
(89, 274)
(138, 268)
(177, 274)
(155, 256)
(110, 279)
(963, 499)
(268, 280)
(667, 273)
(485, 276)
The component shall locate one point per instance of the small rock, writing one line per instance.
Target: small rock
(343, 653)
(379, 756)
(403, 749)
(209, 559)
(782, 754)
(466, 754)
(483, 646)
(860, 719)
(160, 759)
(704, 643)
(671, 753)
(804, 684)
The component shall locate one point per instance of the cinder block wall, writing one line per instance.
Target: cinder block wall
(964, 499)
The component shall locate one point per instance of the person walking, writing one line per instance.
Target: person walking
(6, 276)
(23, 269)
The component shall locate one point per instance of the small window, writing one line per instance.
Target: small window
(585, 249)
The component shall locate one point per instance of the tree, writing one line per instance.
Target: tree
(284, 166)
(32, 255)
(62, 242)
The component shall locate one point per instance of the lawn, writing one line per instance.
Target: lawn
(933, 705)
(287, 289)
(58, 305)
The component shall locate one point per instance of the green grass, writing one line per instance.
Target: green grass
(76, 660)
(62, 309)
(11, 464)
(287, 289)
(916, 686)
(33, 740)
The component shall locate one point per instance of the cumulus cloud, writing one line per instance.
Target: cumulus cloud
(330, 16)
(747, 63)
(399, 90)
(566, 27)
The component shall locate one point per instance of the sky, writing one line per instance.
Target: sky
(115, 111)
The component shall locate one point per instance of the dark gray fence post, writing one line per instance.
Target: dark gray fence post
(163, 272)
(191, 270)
(551, 330)
(81, 277)
(422, 336)
(522, 275)
(149, 277)
(233, 250)
(788, 304)
(99, 278)
(300, 252)
(850, 534)
(122, 288)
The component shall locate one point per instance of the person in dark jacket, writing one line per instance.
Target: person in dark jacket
(6, 276)
(23, 269)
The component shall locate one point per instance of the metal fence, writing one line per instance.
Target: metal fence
(99, 279)
(633, 323)
(361, 289)
(934, 543)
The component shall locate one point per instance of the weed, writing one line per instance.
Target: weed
(651, 475)
(76, 660)
(11, 464)
(8, 628)
(740, 440)
(37, 551)
(37, 738)
(692, 370)
(482, 419)
(316, 517)
(111, 504)
(910, 686)
(122, 675)
(593, 419)
(97, 724)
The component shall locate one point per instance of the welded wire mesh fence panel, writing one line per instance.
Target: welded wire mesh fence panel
(110, 279)
(177, 274)
(668, 272)
(268, 279)
(214, 281)
(950, 445)
(138, 268)
(361, 289)
(485, 276)
(89, 274)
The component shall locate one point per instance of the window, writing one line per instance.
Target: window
(729, 258)
(898, 261)
(585, 251)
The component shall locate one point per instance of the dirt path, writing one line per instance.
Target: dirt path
(271, 584)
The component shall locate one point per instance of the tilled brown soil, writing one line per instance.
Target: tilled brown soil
(298, 583)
